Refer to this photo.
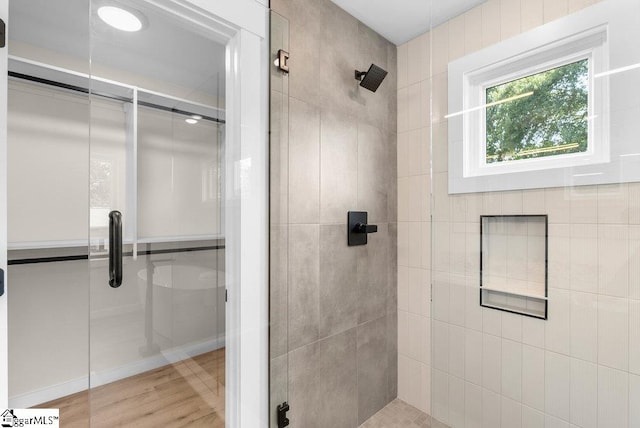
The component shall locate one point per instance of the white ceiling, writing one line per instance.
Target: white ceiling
(401, 20)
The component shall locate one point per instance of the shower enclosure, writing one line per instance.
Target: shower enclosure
(518, 216)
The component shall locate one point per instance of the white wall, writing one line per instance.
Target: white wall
(177, 183)
(470, 366)
(47, 134)
(178, 176)
(106, 71)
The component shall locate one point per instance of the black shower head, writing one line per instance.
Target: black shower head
(371, 79)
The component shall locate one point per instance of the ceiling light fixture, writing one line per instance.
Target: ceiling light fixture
(191, 121)
(119, 18)
(196, 116)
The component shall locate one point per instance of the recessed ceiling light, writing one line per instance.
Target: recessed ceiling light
(196, 117)
(191, 121)
(119, 18)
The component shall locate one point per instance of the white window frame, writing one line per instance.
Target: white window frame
(599, 33)
(595, 152)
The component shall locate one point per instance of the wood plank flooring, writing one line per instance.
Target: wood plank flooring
(186, 394)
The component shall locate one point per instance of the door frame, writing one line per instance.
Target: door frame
(242, 25)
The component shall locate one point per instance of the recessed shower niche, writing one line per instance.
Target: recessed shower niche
(513, 264)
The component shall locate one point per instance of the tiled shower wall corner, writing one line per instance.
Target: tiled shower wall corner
(333, 149)
(476, 367)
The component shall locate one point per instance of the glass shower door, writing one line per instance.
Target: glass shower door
(47, 135)
(156, 244)
(278, 242)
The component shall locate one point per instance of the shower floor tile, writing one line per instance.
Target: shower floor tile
(399, 414)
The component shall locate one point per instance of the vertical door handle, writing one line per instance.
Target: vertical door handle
(115, 249)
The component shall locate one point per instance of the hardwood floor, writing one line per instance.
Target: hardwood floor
(186, 394)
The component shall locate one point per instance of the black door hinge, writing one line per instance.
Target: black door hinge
(1, 282)
(283, 421)
(3, 33)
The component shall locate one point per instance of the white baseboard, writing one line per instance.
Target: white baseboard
(29, 399)
(169, 356)
(165, 357)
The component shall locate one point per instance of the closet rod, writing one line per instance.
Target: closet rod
(108, 96)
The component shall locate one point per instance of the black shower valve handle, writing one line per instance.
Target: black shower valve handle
(365, 228)
(358, 228)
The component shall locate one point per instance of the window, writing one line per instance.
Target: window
(540, 115)
(550, 107)
(536, 112)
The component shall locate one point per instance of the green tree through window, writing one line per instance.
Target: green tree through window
(551, 121)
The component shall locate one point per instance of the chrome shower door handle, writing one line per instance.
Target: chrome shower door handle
(115, 249)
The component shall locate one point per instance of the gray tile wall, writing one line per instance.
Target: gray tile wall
(333, 149)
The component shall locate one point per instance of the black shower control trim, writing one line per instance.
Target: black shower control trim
(357, 228)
